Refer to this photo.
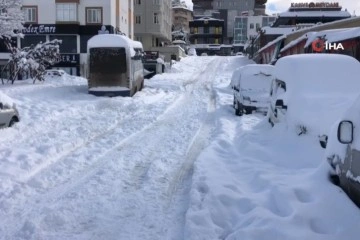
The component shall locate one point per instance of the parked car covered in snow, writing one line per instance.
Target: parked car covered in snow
(310, 91)
(54, 73)
(9, 114)
(251, 87)
(343, 151)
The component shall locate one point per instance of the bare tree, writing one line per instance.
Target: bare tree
(34, 60)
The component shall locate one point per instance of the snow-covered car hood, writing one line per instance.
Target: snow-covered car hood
(317, 113)
(5, 100)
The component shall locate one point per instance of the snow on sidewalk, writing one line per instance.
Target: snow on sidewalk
(258, 183)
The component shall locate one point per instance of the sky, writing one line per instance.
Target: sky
(276, 6)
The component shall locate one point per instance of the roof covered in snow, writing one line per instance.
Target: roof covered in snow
(272, 42)
(335, 35)
(109, 40)
(296, 41)
(278, 30)
(315, 14)
(207, 19)
(112, 40)
(137, 44)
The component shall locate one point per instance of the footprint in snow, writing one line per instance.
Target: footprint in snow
(303, 196)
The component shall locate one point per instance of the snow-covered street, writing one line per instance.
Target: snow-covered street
(173, 162)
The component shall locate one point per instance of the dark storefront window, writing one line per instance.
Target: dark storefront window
(83, 42)
(27, 41)
(3, 47)
(68, 44)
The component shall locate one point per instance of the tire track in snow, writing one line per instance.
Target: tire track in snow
(170, 125)
(56, 167)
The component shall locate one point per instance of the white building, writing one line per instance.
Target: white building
(246, 27)
(74, 22)
(153, 21)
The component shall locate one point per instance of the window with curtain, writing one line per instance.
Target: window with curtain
(94, 15)
(30, 14)
(66, 12)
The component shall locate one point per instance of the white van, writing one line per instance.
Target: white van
(251, 87)
(343, 151)
(310, 91)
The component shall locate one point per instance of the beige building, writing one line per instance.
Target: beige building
(181, 16)
(152, 22)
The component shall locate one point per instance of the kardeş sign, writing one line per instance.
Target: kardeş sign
(39, 29)
(320, 45)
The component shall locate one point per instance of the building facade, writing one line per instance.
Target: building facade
(260, 7)
(153, 22)
(181, 16)
(74, 22)
(246, 27)
(206, 30)
(229, 9)
(201, 6)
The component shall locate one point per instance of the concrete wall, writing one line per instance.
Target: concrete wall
(170, 50)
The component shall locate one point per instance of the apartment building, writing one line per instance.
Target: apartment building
(153, 22)
(74, 22)
(206, 30)
(181, 16)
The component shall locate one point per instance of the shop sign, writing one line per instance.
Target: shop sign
(68, 59)
(316, 5)
(39, 29)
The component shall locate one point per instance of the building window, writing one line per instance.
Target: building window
(138, 19)
(93, 15)
(29, 40)
(251, 26)
(30, 14)
(66, 12)
(257, 26)
(69, 43)
(156, 18)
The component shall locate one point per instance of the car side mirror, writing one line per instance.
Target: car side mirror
(323, 141)
(280, 104)
(345, 132)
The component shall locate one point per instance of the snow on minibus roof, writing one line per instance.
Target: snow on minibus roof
(111, 40)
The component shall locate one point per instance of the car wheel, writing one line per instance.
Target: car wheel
(271, 122)
(12, 122)
(238, 110)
